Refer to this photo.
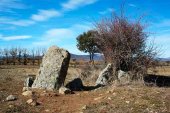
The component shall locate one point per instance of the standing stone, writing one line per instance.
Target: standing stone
(123, 77)
(53, 69)
(105, 75)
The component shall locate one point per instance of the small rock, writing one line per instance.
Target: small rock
(127, 102)
(84, 107)
(27, 93)
(114, 94)
(11, 98)
(11, 106)
(26, 89)
(64, 90)
(98, 98)
(32, 102)
(109, 98)
(47, 110)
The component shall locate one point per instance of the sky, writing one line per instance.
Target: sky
(42, 23)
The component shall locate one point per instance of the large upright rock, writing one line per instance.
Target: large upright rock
(53, 69)
(105, 75)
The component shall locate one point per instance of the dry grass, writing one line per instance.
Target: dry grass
(160, 70)
(126, 99)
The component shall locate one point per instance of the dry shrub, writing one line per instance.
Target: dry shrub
(124, 44)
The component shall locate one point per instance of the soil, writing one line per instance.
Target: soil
(129, 98)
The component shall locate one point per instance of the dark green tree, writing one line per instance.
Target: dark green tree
(86, 43)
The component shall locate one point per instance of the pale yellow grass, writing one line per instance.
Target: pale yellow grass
(160, 70)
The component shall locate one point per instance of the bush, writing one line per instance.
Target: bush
(123, 43)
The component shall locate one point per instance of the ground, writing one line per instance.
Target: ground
(129, 98)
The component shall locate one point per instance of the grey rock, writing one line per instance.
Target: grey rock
(53, 69)
(105, 75)
(123, 77)
(29, 81)
(11, 98)
(64, 90)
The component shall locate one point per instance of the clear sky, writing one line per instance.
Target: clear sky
(41, 23)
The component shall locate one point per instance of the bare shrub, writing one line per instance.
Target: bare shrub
(13, 52)
(124, 44)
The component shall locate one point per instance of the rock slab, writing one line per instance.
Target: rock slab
(53, 69)
(105, 75)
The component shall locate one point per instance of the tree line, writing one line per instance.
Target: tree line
(21, 56)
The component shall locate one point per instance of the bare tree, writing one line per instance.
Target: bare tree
(38, 55)
(1, 56)
(13, 52)
(25, 55)
(6, 54)
(123, 43)
(20, 52)
(33, 56)
(43, 51)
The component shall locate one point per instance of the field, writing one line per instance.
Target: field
(129, 98)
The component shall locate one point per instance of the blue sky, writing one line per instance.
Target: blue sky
(42, 23)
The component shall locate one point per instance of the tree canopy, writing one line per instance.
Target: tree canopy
(87, 44)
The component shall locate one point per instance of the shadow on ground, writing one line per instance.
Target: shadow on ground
(158, 80)
(77, 85)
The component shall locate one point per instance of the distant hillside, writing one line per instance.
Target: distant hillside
(164, 59)
(97, 57)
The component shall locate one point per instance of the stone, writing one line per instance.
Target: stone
(29, 81)
(26, 89)
(75, 85)
(32, 102)
(98, 98)
(123, 77)
(105, 76)
(64, 90)
(53, 70)
(84, 107)
(27, 93)
(11, 98)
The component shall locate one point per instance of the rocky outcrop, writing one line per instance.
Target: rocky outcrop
(53, 69)
(105, 75)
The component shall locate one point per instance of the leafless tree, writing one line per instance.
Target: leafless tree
(123, 43)
(13, 52)
(1, 56)
(20, 52)
(43, 51)
(38, 55)
(25, 55)
(33, 56)
(6, 54)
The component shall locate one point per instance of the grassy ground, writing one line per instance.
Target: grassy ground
(133, 98)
